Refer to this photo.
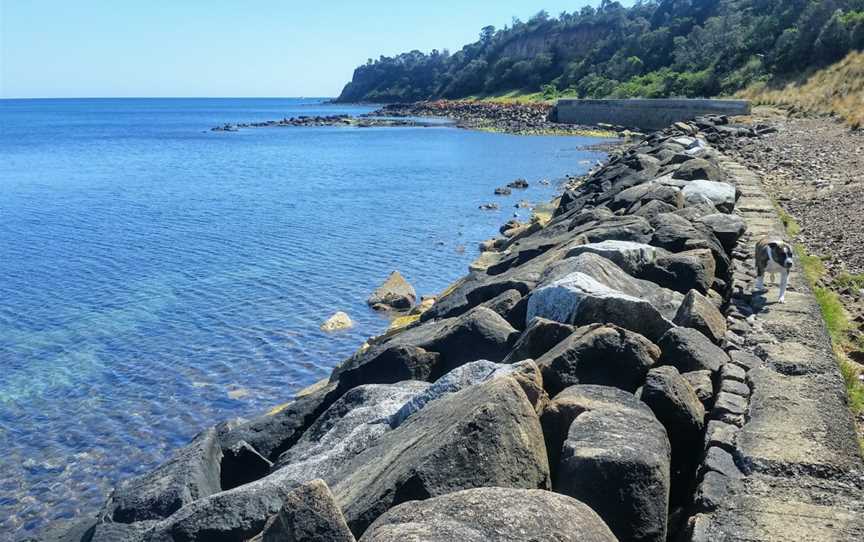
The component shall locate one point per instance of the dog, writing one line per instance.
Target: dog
(773, 256)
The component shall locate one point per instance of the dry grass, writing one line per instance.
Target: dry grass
(835, 90)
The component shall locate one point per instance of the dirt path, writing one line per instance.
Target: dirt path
(814, 168)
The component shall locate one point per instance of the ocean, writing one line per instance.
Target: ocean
(157, 277)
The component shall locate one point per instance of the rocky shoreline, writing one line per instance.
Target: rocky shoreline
(586, 380)
(512, 118)
(323, 120)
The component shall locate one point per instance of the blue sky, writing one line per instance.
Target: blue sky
(89, 48)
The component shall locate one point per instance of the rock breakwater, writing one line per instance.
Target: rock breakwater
(582, 382)
(514, 118)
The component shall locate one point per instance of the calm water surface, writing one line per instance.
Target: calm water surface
(156, 277)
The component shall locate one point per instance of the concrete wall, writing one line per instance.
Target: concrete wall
(645, 114)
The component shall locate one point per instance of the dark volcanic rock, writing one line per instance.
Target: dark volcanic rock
(310, 514)
(625, 448)
(682, 271)
(727, 228)
(475, 515)
(192, 473)
(598, 354)
(353, 424)
(272, 434)
(480, 333)
(470, 374)
(510, 306)
(677, 234)
(242, 464)
(486, 435)
(593, 289)
(699, 168)
(558, 414)
(345, 429)
(678, 408)
(538, 338)
(689, 350)
(386, 364)
(698, 312)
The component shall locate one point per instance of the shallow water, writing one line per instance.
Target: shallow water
(157, 277)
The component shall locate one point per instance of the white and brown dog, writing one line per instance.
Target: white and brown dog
(773, 256)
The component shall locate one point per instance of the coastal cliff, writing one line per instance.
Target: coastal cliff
(603, 374)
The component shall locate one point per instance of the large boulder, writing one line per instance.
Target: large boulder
(687, 350)
(192, 473)
(600, 354)
(386, 364)
(682, 271)
(677, 234)
(460, 378)
(485, 435)
(620, 446)
(275, 432)
(618, 228)
(728, 228)
(395, 293)
(698, 168)
(480, 333)
(538, 338)
(629, 256)
(721, 195)
(558, 414)
(580, 299)
(475, 515)
(698, 312)
(310, 514)
(676, 405)
(609, 274)
(345, 429)
(510, 305)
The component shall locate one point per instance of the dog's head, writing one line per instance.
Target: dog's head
(781, 253)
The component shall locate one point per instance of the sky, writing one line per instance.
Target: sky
(210, 48)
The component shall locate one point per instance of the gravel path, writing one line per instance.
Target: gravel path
(815, 169)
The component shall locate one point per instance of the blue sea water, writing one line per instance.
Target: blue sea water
(157, 277)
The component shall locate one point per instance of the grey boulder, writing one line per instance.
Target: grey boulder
(700, 313)
(310, 514)
(728, 228)
(192, 473)
(600, 354)
(625, 448)
(475, 515)
(688, 350)
(539, 337)
(485, 435)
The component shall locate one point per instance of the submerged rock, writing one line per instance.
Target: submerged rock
(395, 293)
(339, 320)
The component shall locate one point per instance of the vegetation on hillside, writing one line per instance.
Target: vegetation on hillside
(837, 89)
(655, 48)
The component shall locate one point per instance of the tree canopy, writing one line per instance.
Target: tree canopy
(656, 48)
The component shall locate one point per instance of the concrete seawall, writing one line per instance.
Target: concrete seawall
(644, 114)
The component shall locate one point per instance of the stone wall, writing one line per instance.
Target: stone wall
(644, 114)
